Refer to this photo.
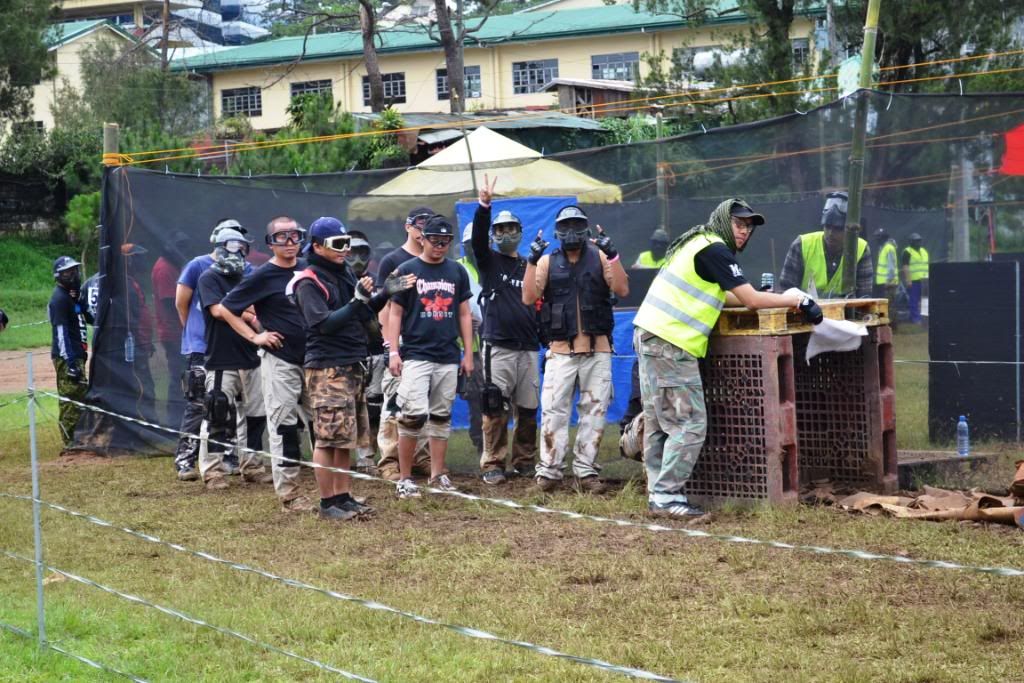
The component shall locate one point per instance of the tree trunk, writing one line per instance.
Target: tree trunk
(450, 42)
(368, 25)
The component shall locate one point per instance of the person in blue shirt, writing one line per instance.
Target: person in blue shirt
(69, 344)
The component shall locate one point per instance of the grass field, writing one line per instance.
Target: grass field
(26, 282)
(694, 609)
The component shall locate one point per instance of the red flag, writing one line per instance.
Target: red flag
(1013, 158)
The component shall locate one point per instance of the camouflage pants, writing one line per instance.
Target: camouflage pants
(193, 387)
(675, 416)
(73, 389)
(338, 400)
(594, 373)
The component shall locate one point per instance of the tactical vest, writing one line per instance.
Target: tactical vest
(813, 246)
(681, 307)
(885, 269)
(569, 283)
(918, 263)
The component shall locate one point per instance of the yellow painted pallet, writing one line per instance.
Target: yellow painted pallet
(773, 321)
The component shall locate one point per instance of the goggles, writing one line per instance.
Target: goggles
(439, 241)
(337, 243)
(506, 228)
(419, 220)
(835, 201)
(285, 237)
(236, 247)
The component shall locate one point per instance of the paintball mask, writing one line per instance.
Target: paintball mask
(230, 252)
(67, 272)
(572, 228)
(358, 258)
(507, 232)
(834, 211)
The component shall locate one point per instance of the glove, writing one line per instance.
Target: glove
(537, 248)
(811, 310)
(75, 372)
(604, 243)
(361, 293)
(396, 283)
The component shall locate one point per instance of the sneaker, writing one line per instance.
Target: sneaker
(298, 504)
(524, 471)
(546, 485)
(408, 489)
(188, 474)
(258, 477)
(336, 513)
(494, 477)
(591, 484)
(677, 510)
(216, 483)
(355, 506)
(443, 482)
(366, 466)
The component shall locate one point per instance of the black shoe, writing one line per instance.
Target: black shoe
(524, 471)
(352, 505)
(336, 514)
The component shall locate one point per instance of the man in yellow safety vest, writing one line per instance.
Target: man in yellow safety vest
(914, 264)
(818, 256)
(655, 256)
(672, 329)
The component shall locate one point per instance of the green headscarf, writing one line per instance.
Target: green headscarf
(719, 224)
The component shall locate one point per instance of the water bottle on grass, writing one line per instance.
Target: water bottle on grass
(963, 438)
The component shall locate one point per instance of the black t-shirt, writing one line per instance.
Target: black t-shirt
(225, 350)
(344, 347)
(430, 310)
(390, 262)
(715, 263)
(507, 320)
(264, 290)
(67, 339)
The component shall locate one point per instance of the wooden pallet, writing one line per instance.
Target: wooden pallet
(770, 321)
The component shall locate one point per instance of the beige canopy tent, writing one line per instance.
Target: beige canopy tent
(445, 177)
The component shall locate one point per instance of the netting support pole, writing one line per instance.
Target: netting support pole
(856, 188)
(662, 181)
(37, 530)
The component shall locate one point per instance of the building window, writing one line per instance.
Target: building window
(528, 77)
(244, 101)
(619, 66)
(472, 81)
(312, 88)
(801, 53)
(394, 88)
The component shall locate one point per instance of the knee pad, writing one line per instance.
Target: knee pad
(440, 419)
(412, 421)
(290, 446)
(254, 427)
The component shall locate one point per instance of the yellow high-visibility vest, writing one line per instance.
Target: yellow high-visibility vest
(918, 263)
(886, 270)
(647, 260)
(681, 307)
(813, 246)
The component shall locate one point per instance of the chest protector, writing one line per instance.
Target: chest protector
(569, 283)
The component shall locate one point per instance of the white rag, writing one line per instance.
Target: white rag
(832, 335)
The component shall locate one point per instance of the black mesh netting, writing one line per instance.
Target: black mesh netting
(918, 146)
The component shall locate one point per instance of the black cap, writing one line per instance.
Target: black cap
(743, 211)
(420, 211)
(438, 225)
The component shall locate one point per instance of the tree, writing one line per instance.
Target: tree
(452, 38)
(24, 57)
(368, 29)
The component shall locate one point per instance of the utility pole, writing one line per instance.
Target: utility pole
(856, 188)
(165, 30)
(958, 181)
(662, 180)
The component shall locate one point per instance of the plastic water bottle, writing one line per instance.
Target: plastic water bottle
(129, 348)
(963, 438)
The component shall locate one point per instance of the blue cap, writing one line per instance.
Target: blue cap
(324, 227)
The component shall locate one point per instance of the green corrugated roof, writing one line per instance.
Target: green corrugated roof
(528, 26)
(62, 34)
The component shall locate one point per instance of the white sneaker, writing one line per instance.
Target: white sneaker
(408, 489)
(443, 482)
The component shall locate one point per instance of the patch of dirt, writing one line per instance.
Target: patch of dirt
(14, 373)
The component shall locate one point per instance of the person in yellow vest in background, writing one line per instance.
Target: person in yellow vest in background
(475, 382)
(672, 329)
(914, 264)
(887, 271)
(818, 256)
(655, 256)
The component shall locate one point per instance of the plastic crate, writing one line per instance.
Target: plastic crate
(845, 413)
(750, 453)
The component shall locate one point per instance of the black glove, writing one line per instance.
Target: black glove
(361, 293)
(604, 243)
(537, 248)
(396, 283)
(811, 310)
(76, 372)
